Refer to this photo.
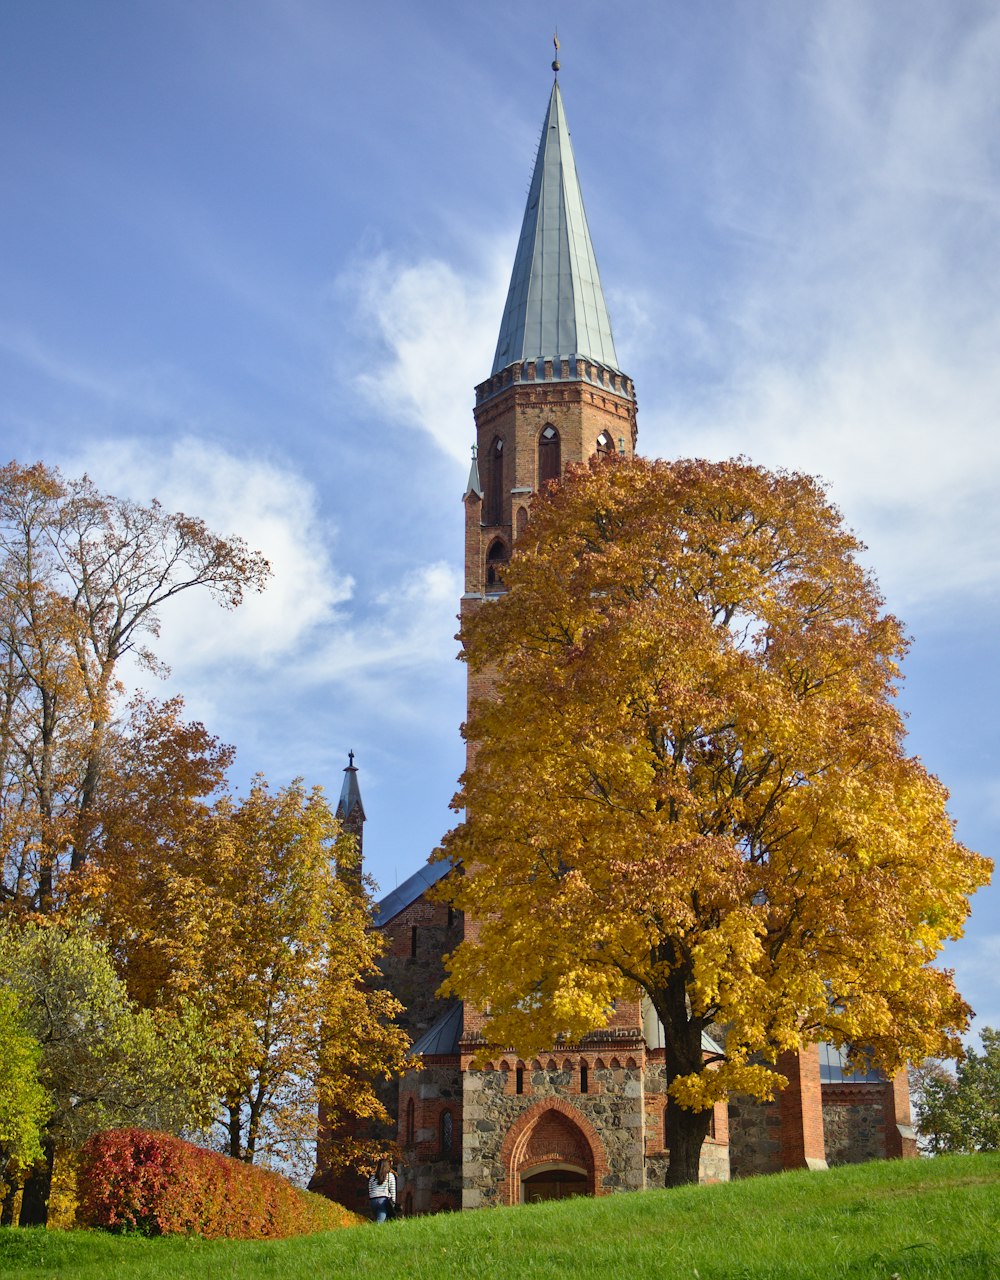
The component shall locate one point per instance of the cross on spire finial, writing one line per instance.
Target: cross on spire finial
(350, 759)
(555, 60)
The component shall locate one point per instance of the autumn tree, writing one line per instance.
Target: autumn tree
(690, 779)
(83, 577)
(100, 1061)
(961, 1112)
(292, 979)
(237, 906)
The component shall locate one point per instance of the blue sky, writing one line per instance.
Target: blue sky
(253, 262)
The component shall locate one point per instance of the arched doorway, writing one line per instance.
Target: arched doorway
(552, 1151)
(553, 1181)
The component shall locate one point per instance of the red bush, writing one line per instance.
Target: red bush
(134, 1180)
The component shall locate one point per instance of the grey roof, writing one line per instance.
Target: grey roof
(555, 306)
(350, 793)
(443, 1036)
(409, 891)
(475, 484)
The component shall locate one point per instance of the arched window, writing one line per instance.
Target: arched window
(496, 558)
(410, 1125)
(548, 455)
(447, 1129)
(522, 520)
(665, 1129)
(519, 1080)
(494, 483)
(408, 1204)
(605, 445)
(584, 1077)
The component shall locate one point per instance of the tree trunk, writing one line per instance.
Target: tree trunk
(235, 1132)
(686, 1131)
(37, 1189)
(7, 1203)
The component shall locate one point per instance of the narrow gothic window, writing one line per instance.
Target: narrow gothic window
(519, 1080)
(413, 942)
(408, 1204)
(447, 1132)
(410, 1127)
(584, 1078)
(494, 491)
(665, 1130)
(605, 445)
(496, 558)
(548, 455)
(451, 916)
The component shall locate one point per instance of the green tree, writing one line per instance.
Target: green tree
(690, 781)
(102, 1062)
(961, 1112)
(24, 1102)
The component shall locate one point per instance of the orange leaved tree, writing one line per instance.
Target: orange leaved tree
(690, 779)
(83, 576)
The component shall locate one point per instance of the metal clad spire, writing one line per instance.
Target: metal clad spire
(350, 793)
(555, 305)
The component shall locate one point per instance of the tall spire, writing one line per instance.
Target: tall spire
(555, 306)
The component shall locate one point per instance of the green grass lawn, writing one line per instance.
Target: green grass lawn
(912, 1219)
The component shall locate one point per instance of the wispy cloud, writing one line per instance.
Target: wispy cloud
(273, 508)
(860, 334)
(436, 328)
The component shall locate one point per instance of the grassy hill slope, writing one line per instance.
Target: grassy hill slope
(914, 1219)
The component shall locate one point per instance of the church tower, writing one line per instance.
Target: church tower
(590, 1117)
(556, 394)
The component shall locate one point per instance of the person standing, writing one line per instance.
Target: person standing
(382, 1190)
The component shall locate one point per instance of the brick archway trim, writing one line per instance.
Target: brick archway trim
(517, 1136)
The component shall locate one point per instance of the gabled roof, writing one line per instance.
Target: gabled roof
(409, 891)
(555, 306)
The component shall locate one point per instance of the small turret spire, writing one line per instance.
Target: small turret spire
(350, 794)
(474, 486)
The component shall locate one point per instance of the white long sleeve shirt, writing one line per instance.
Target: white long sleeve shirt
(387, 1188)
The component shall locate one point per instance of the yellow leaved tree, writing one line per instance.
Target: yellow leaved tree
(252, 911)
(690, 779)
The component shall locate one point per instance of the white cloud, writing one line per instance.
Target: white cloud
(438, 329)
(409, 630)
(272, 508)
(859, 338)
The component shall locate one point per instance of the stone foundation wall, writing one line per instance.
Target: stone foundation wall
(754, 1136)
(492, 1107)
(854, 1120)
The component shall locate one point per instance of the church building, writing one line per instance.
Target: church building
(585, 1118)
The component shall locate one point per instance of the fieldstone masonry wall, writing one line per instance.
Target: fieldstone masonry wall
(605, 1126)
(855, 1122)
